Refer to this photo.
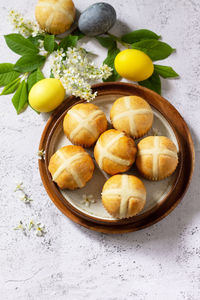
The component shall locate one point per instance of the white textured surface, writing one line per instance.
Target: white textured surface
(70, 262)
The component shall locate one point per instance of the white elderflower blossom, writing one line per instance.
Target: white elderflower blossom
(41, 154)
(31, 225)
(19, 187)
(41, 47)
(24, 27)
(40, 229)
(25, 198)
(21, 227)
(76, 72)
(87, 200)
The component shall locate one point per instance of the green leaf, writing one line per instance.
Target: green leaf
(11, 87)
(152, 83)
(156, 50)
(34, 77)
(35, 39)
(68, 41)
(138, 35)
(17, 43)
(55, 46)
(28, 63)
(51, 74)
(49, 42)
(165, 71)
(20, 98)
(106, 42)
(7, 74)
(112, 52)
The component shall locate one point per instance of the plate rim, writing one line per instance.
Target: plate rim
(55, 195)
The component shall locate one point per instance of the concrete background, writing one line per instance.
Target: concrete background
(71, 262)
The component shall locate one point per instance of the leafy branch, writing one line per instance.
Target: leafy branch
(146, 41)
(19, 78)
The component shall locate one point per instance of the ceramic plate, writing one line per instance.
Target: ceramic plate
(162, 196)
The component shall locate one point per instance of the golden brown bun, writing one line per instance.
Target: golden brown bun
(123, 196)
(133, 115)
(115, 152)
(84, 123)
(71, 167)
(55, 16)
(157, 157)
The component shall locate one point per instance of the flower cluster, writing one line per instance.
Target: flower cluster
(24, 27)
(87, 200)
(24, 197)
(77, 72)
(38, 227)
(155, 131)
(27, 28)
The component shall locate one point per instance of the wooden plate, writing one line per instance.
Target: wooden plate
(168, 192)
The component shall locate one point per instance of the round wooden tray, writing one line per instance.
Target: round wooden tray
(184, 172)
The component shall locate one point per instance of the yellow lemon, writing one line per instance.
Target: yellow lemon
(134, 65)
(46, 94)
